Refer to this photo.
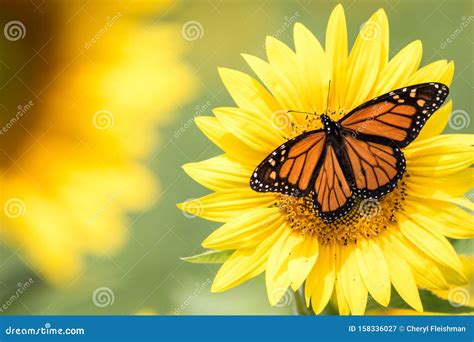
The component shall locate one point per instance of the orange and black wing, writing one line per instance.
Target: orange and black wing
(396, 118)
(375, 168)
(292, 167)
(332, 195)
(307, 165)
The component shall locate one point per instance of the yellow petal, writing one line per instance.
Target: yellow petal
(248, 93)
(365, 61)
(216, 132)
(284, 91)
(342, 302)
(276, 275)
(441, 165)
(446, 219)
(453, 277)
(320, 283)
(448, 75)
(450, 189)
(401, 275)
(431, 243)
(437, 122)
(258, 134)
(352, 284)
(313, 68)
(440, 145)
(396, 73)
(284, 63)
(439, 71)
(219, 173)
(441, 155)
(223, 206)
(452, 186)
(461, 295)
(374, 270)
(424, 269)
(244, 264)
(301, 261)
(246, 230)
(336, 52)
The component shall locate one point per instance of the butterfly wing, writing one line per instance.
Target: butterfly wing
(374, 133)
(332, 195)
(307, 165)
(396, 118)
(376, 168)
(291, 168)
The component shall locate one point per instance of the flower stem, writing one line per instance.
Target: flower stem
(300, 307)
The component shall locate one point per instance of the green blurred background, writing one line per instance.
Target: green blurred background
(146, 273)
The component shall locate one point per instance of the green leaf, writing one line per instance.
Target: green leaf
(209, 257)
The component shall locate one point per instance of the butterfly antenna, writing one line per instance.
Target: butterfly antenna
(327, 100)
(297, 111)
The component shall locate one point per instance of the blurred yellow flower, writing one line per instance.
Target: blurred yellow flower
(402, 244)
(90, 82)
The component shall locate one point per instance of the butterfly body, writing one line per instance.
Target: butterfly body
(358, 156)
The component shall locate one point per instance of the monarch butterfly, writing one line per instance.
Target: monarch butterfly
(358, 156)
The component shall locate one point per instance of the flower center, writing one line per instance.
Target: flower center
(368, 217)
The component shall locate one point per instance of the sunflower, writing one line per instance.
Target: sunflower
(403, 243)
(92, 81)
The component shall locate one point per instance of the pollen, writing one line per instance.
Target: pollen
(368, 218)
